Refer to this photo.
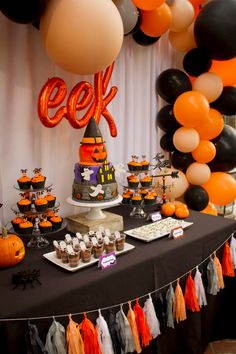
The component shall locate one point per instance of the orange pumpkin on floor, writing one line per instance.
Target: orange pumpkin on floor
(168, 209)
(12, 249)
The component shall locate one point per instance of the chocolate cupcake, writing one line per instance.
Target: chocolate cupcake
(24, 205)
(133, 182)
(126, 198)
(51, 200)
(24, 182)
(136, 200)
(146, 181)
(38, 181)
(41, 204)
(149, 199)
(56, 222)
(145, 164)
(26, 227)
(16, 223)
(45, 226)
(134, 165)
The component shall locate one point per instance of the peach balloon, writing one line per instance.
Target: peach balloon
(183, 41)
(226, 69)
(156, 22)
(221, 188)
(205, 152)
(178, 185)
(186, 139)
(212, 126)
(182, 15)
(82, 37)
(210, 85)
(210, 209)
(198, 173)
(191, 109)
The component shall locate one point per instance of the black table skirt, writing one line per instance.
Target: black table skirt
(149, 266)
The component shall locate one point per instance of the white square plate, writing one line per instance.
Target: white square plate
(51, 256)
(156, 230)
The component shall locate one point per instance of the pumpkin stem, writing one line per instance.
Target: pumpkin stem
(4, 232)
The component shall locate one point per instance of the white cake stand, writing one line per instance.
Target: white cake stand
(95, 212)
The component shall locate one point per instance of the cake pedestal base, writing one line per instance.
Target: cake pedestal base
(95, 217)
(80, 223)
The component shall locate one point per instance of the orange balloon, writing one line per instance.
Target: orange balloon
(210, 209)
(221, 188)
(205, 152)
(191, 109)
(148, 5)
(226, 69)
(212, 126)
(156, 22)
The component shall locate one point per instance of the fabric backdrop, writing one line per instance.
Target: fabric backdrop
(26, 143)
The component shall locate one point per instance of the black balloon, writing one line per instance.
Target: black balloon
(196, 62)
(180, 160)
(196, 198)
(225, 143)
(226, 102)
(142, 39)
(215, 29)
(23, 11)
(166, 142)
(171, 83)
(165, 119)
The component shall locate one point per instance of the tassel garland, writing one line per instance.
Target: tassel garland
(143, 329)
(104, 337)
(212, 277)
(190, 295)
(56, 341)
(75, 344)
(170, 304)
(179, 307)
(134, 329)
(90, 337)
(233, 250)
(199, 289)
(151, 317)
(218, 267)
(227, 264)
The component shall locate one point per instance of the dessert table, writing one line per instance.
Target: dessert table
(147, 267)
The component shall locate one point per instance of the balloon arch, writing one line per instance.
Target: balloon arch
(202, 147)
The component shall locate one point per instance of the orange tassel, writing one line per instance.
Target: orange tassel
(179, 308)
(90, 337)
(190, 295)
(134, 329)
(218, 267)
(74, 340)
(142, 326)
(227, 264)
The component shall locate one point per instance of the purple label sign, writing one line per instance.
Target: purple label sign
(107, 260)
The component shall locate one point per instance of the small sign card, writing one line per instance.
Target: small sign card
(107, 260)
(156, 216)
(176, 232)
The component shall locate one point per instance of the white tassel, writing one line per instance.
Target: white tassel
(170, 301)
(199, 289)
(151, 317)
(104, 337)
(233, 250)
(55, 341)
(212, 278)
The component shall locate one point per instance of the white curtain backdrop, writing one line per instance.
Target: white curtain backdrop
(26, 143)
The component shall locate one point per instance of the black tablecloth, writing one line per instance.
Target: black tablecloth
(149, 266)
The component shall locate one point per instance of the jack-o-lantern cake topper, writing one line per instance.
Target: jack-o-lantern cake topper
(92, 150)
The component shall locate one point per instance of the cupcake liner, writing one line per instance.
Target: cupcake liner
(24, 208)
(45, 230)
(24, 185)
(51, 203)
(26, 230)
(56, 225)
(38, 185)
(41, 207)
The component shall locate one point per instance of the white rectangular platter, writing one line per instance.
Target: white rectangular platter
(156, 230)
(51, 256)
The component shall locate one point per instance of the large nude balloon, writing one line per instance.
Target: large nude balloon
(182, 15)
(82, 36)
(178, 186)
(210, 85)
(198, 173)
(186, 139)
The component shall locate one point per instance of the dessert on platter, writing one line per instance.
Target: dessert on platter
(94, 175)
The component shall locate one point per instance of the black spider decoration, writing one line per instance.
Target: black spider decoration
(25, 277)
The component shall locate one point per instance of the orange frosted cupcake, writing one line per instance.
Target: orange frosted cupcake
(133, 182)
(56, 222)
(146, 181)
(145, 164)
(126, 198)
(136, 200)
(134, 165)
(24, 205)
(16, 223)
(45, 226)
(24, 182)
(143, 192)
(149, 199)
(50, 198)
(26, 227)
(41, 204)
(38, 181)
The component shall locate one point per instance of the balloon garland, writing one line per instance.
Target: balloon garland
(197, 98)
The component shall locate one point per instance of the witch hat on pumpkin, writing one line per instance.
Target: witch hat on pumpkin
(92, 134)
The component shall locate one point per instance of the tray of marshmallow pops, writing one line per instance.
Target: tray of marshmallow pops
(83, 250)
